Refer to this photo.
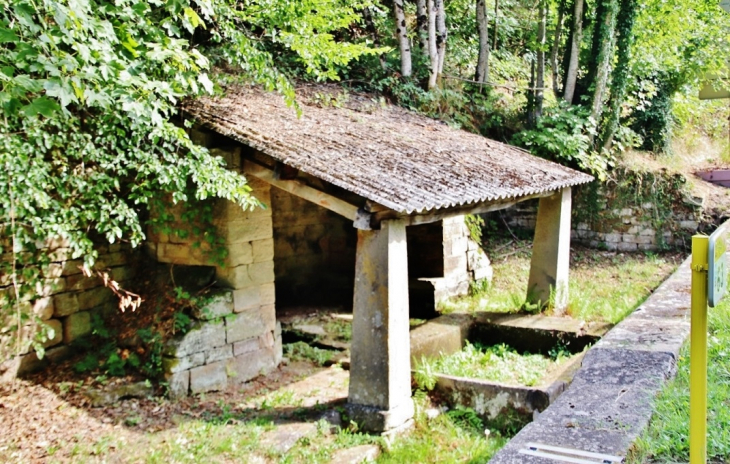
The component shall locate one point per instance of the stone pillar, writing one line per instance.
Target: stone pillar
(380, 373)
(551, 251)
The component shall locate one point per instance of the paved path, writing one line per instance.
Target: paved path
(609, 402)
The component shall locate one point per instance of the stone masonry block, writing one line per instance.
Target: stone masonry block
(81, 282)
(648, 232)
(178, 384)
(613, 237)
(456, 245)
(252, 364)
(43, 308)
(626, 246)
(246, 298)
(263, 250)
(235, 277)
(644, 239)
(267, 294)
(95, 297)
(171, 365)
(76, 325)
(211, 377)
(250, 324)
(246, 346)
(219, 354)
(220, 304)
(206, 336)
(689, 225)
(56, 327)
(65, 304)
(455, 264)
(240, 253)
(261, 273)
(258, 228)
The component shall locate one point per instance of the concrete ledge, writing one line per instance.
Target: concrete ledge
(610, 400)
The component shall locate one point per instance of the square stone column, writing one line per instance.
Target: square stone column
(551, 251)
(380, 369)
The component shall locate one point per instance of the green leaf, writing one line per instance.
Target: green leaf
(41, 105)
(7, 35)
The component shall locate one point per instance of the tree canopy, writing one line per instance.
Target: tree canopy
(90, 88)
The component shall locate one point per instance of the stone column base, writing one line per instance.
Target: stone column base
(376, 420)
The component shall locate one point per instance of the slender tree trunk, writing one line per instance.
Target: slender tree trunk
(441, 34)
(577, 32)
(432, 47)
(496, 14)
(367, 16)
(625, 29)
(531, 116)
(607, 25)
(556, 46)
(540, 76)
(422, 24)
(404, 45)
(482, 73)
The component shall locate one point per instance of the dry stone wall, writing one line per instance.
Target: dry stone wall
(236, 336)
(68, 300)
(606, 218)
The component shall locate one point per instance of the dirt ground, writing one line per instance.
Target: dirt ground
(45, 417)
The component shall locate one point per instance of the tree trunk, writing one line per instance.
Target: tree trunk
(496, 13)
(607, 27)
(422, 25)
(625, 29)
(432, 48)
(482, 73)
(531, 116)
(367, 16)
(404, 45)
(577, 32)
(441, 34)
(540, 77)
(556, 46)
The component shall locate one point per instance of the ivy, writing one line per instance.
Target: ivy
(89, 90)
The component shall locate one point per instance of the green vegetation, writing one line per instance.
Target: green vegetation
(89, 142)
(457, 436)
(498, 363)
(667, 438)
(604, 286)
(302, 351)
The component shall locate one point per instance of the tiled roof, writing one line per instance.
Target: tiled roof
(389, 155)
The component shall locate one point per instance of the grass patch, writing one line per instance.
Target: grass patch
(604, 286)
(302, 351)
(667, 438)
(497, 363)
(456, 436)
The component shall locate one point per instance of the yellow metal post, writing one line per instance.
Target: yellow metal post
(698, 353)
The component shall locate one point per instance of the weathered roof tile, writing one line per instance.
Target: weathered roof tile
(394, 157)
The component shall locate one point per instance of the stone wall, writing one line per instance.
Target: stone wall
(451, 263)
(606, 219)
(68, 301)
(236, 336)
(314, 251)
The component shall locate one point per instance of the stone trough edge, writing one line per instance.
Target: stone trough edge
(610, 401)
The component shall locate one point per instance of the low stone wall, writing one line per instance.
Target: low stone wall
(608, 217)
(224, 347)
(66, 305)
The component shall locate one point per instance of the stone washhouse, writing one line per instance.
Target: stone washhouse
(365, 206)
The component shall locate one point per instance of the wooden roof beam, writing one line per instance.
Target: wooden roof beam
(302, 190)
(440, 214)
